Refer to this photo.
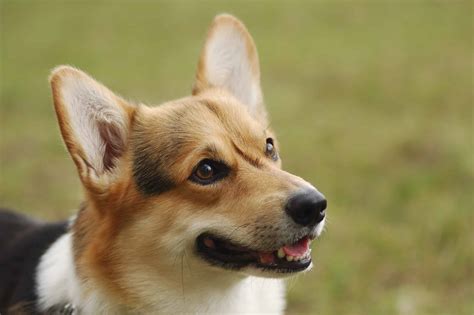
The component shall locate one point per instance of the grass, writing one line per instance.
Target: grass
(372, 102)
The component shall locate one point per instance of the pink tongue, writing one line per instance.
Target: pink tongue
(298, 248)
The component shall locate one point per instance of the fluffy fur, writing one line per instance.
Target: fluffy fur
(132, 246)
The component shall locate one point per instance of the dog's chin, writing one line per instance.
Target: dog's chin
(271, 274)
(285, 261)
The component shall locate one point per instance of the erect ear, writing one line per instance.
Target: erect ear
(94, 122)
(229, 60)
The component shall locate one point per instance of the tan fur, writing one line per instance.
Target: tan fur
(125, 240)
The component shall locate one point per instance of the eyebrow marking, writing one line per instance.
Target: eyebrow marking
(211, 150)
(214, 109)
(254, 162)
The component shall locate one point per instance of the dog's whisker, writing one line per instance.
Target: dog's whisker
(187, 262)
(182, 277)
(291, 283)
(238, 228)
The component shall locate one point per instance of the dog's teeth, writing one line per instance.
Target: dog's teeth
(281, 253)
(307, 254)
(289, 258)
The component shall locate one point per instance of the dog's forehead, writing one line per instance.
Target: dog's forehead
(202, 119)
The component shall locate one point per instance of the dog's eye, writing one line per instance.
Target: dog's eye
(204, 171)
(209, 171)
(270, 150)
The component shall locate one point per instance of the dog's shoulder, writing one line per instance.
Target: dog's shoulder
(22, 243)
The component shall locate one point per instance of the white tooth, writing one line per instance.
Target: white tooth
(298, 258)
(289, 258)
(281, 253)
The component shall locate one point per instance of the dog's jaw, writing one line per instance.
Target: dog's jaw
(227, 254)
(176, 284)
(58, 284)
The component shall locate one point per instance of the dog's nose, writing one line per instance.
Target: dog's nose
(307, 208)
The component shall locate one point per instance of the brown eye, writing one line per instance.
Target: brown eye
(209, 171)
(270, 150)
(204, 171)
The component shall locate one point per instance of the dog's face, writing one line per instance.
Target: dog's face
(199, 178)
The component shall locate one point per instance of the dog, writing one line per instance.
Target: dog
(186, 211)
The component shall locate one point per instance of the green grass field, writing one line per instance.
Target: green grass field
(372, 102)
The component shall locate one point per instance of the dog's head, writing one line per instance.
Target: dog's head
(198, 178)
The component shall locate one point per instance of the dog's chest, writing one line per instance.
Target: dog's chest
(251, 296)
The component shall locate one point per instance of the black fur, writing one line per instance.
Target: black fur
(22, 243)
(149, 174)
(151, 161)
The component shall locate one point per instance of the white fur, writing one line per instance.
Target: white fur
(320, 227)
(228, 65)
(87, 104)
(56, 277)
(211, 293)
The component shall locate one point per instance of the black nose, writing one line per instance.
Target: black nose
(307, 208)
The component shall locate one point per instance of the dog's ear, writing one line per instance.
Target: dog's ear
(229, 60)
(94, 122)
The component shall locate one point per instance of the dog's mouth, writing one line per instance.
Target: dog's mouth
(287, 259)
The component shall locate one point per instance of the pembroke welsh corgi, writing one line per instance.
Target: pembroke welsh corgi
(186, 210)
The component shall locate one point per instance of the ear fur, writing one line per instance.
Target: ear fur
(94, 122)
(229, 60)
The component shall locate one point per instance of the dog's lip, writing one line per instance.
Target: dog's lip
(222, 252)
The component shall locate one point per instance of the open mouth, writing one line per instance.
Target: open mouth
(221, 252)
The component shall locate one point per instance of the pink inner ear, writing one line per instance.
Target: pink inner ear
(113, 142)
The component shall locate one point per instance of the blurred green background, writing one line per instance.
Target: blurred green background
(372, 102)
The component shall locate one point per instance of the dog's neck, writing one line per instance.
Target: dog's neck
(200, 292)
